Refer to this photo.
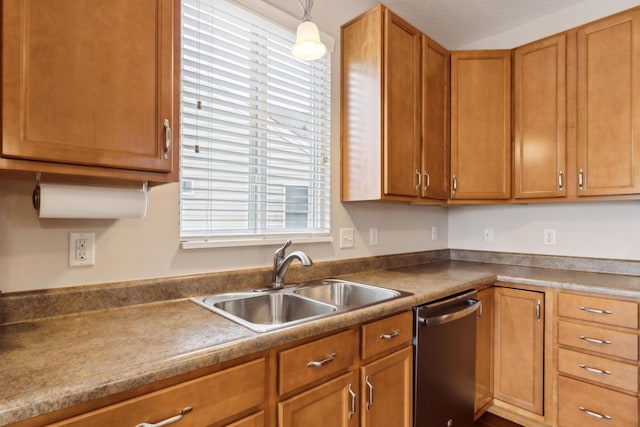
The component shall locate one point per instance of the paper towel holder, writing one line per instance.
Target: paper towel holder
(36, 197)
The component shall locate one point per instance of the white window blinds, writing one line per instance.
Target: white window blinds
(255, 128)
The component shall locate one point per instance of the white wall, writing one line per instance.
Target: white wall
(564, 19)
(597, 230)
(34, 252)
(602, 230)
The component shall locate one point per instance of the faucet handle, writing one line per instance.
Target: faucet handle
(280, 252)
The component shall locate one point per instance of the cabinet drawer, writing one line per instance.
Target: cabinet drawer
(596, 309)
(595, 402)
(598, 369)
(213, 398)
(601, 340)
(386, 334)
(315, 360)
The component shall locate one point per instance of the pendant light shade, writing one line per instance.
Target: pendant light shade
(308, 46)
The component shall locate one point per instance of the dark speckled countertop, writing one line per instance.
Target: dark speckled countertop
(56, 362)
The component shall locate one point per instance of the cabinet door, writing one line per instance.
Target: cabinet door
(519, 348)
(401, 146)
(484, 350)
(387, 391)
(540, 119)
(331, 404)
(609, 106)
(89, 82)
(480, 124)
(435, 120)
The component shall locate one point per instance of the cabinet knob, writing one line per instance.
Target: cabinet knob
(330, 358)
(352, 412)
(455, 184)
(168, 421)
(560, 183)
(419, 180)
(580, 178)
(167, 138)
(594, 414)
(370, 386)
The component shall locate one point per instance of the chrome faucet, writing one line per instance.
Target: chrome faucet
(281, 264)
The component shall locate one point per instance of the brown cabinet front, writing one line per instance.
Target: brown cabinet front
(386, 390)
(609, 106)
(519, 348)
(90, 83)
(540, 117)
(481, 125)
(212, 399)
(484, 350)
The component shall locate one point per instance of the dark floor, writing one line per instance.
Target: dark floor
(490, 420)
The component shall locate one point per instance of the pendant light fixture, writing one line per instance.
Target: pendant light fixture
(308, 46)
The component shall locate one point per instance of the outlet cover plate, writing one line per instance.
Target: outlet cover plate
(89, 252)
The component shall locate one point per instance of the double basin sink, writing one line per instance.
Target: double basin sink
(273, 309)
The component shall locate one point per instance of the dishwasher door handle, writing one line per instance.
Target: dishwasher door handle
(472, 306)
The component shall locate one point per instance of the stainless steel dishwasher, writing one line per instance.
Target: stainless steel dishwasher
(444, 361)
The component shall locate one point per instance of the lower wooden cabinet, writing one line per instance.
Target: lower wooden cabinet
(211, 399)
(484, 352)
(597, 361)
(330, 404)
(519, 348)
(386, 390)
(378, 394)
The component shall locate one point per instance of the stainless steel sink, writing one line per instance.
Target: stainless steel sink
(344, 293)
(262, 312)
(273, 309)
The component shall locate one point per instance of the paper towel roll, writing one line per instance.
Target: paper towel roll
(77, 201)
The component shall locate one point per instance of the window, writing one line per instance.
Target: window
(255, 128)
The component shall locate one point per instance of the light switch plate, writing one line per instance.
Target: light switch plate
(346, 238)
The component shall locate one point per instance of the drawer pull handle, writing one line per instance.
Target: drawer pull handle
(594, 414)
(390, 336)
(595, 340)
(370, 386)
(352, 412)
(594, 370)
(326, 361)
(168, 421)
(595, 310)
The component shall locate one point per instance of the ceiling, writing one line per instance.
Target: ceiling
(455, 23)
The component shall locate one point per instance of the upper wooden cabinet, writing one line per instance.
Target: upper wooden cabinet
(609, 106)
(540, 113)
(435, 119)
(385, 75)
(481, 125)
(88, 88)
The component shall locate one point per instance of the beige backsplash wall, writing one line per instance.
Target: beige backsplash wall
(34, 252)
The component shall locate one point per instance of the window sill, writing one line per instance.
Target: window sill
(229, 243)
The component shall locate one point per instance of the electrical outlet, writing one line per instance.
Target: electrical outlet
(82, 249)
(487, 236)
(434, 232)
(549, 236)
(346, 238)
(373, 236)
